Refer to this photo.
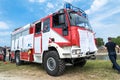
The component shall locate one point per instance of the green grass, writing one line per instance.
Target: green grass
(93, 70)
(96, 70)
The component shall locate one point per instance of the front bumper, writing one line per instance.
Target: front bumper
(75, 52)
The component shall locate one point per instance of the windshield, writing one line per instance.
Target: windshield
(77, 20)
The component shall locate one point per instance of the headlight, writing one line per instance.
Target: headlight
(78, 51)
(74, 52)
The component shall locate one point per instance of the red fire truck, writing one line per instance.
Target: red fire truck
(55, 40)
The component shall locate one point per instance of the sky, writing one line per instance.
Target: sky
(104, 15)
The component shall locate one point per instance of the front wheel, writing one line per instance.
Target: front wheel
(53, 64)
(81, 63)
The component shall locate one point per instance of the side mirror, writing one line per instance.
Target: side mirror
(65, 30)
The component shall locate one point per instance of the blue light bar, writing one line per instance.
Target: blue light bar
(68, 6)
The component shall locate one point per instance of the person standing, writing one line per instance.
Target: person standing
(4, 54)
(112, 53)
(9, 55)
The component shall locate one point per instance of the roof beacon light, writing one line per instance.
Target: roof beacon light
(68, 6)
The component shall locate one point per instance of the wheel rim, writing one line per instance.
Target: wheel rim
(51, 64)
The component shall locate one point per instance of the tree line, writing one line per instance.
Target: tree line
(100, 42)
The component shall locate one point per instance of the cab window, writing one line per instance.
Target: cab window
(46, 25)
(38, 28)
(59, 20)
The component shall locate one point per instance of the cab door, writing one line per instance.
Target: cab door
(60, 24)
(38, 38)
(45, 34)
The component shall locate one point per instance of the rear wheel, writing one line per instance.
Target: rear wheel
(53, 64)
(17, 59)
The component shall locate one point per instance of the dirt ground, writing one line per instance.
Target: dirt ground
(32, 76)
(91, 71)
(40, 74)
(33, 71)
(20, 75)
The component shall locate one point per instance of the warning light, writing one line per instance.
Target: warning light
(68, 6)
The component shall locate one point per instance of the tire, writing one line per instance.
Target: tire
(17, 59)
(81, 63)
(53, 65)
